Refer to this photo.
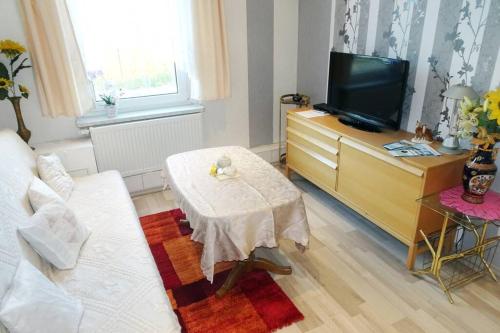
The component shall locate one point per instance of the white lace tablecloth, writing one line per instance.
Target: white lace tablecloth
(234, 216)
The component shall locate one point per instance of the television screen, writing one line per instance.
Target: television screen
(368, 88)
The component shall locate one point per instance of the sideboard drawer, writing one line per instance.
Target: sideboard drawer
(311, 165)
(305, 127)
(319, 147)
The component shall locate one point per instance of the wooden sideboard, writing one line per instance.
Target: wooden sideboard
(353, 166)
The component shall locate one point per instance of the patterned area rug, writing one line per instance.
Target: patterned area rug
(256, 304)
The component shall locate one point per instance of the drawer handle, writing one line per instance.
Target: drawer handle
(313, 154)
(318, 129)
(314, 141)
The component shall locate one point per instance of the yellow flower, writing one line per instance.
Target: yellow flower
(5, 84)
(23, 89)
(493, 94)
(25, 92)
(11, 48)
(493, 104)
(495, 115)
(213, 170)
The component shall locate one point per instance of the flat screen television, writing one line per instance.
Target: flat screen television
(367, 91)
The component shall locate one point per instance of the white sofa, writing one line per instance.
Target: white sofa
(116, 277)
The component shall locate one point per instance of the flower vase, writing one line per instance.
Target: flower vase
(110, 110)
(22, 131)
(479, 175)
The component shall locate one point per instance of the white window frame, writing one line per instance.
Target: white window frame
(145, 103)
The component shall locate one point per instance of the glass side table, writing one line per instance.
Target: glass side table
(461, 251)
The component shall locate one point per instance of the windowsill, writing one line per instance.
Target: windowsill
(100, 119)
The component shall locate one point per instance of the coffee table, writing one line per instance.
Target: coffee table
(232, 217)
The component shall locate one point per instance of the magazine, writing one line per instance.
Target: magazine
(406, 148)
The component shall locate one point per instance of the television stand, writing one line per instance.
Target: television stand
(355, 168)
(361, 125)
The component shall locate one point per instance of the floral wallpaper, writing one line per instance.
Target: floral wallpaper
(350, 28)
(446, 42)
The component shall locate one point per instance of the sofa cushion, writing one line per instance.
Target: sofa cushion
(52, 172)
(56, 234)
(116, 277)
(40, 194)
(34, 304)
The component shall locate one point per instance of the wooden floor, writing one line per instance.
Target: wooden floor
(353, 277)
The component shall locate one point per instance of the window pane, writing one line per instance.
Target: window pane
(128, 45)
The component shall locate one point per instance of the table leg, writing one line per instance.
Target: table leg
(268, 265)
(232, 278)
(288, 172)
(412, 255)
(435, 269)
(249, 265)
(481, 252)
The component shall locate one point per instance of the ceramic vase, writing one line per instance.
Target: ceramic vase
(110, 110)
(479, 174)
(22, 131)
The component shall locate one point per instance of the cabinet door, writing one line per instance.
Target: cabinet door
(384, 192)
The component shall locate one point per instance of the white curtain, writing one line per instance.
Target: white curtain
(204, 48)
(64, 89)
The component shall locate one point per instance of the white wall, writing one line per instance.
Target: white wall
(226, 121)
(286, 33)
(42, 129)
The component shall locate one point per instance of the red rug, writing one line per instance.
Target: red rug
(256, 304)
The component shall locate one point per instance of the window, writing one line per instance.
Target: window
(128, 50)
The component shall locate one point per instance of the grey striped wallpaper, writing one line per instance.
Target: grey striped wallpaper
(260, 34)
(446, 42)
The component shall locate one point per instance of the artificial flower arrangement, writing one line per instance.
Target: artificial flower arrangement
(9, 89)
(481, 121)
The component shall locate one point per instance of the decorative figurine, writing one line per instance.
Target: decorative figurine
(423, 134)
(223, 169)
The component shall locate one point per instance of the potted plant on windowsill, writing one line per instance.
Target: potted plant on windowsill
(109, 105)
(482, 124)
(8, 87)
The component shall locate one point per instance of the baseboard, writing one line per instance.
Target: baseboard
(270, 152)
(146, 191)
(137, 184)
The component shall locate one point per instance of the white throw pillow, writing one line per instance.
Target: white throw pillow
(55, 233)
(52, 172)
(34, 304)
(41, 194)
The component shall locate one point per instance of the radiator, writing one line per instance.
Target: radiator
(140, 147)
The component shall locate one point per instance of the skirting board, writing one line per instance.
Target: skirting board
(152, 182)
(270, 152)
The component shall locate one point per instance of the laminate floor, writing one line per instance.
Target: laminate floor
(353, 277)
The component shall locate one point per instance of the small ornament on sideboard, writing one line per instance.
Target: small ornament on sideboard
(423, 134)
